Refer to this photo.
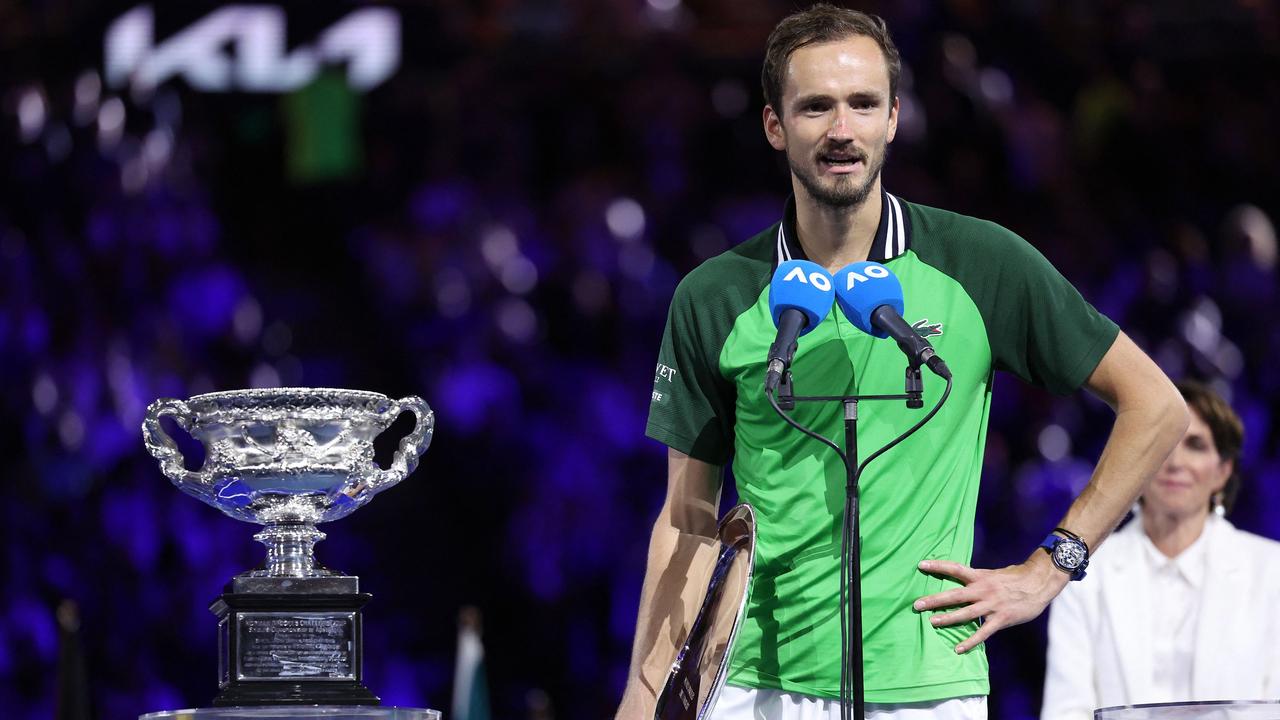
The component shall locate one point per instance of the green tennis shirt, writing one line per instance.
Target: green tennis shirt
(986, 300)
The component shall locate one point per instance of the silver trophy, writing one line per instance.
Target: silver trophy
(288, 459)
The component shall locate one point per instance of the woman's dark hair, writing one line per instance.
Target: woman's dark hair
(1224, 425)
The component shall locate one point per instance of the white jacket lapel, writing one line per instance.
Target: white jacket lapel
(1220, 611)
(1127, 600)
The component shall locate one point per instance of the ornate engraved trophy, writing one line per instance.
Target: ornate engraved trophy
(289, 632)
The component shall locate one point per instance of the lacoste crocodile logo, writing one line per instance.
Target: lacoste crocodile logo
(925, 329)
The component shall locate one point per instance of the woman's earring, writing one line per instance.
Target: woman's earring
(1218, 508)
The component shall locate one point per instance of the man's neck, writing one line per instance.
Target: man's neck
(1171, 533)
(834, 237)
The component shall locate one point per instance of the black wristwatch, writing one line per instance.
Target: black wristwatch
(1069, 552)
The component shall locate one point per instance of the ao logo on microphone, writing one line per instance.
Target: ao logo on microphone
(819, 280)
(872, 270)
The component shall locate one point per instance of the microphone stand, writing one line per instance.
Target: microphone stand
(851, 654)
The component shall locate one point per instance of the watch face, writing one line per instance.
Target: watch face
(1068, 554)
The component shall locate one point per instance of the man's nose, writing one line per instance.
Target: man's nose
(841, 125)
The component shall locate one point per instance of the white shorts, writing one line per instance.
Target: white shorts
(737, 703)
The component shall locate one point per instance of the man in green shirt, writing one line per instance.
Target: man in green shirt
(986, 299)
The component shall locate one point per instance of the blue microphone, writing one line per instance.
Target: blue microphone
(870, 295)
(800, 296)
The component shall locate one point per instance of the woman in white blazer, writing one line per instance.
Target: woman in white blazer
(1178, 605)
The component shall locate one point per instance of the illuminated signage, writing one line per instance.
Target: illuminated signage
(243, 48)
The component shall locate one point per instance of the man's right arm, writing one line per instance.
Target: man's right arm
(682, 547)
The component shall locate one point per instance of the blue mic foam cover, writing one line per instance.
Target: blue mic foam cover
(864, 286)
(804, 286)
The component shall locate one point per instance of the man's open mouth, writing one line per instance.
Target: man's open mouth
(840, 160)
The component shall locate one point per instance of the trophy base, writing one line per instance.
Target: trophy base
(319, 585)
(293, 646)
(294, 693)
(310, 712)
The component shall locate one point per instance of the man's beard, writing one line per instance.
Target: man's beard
(842, 194)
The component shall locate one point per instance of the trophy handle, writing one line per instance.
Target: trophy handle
(411, 445)
(163, 448)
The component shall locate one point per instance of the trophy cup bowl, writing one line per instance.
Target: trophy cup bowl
(288, 459)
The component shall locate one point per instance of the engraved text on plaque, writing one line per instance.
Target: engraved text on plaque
(282, 645)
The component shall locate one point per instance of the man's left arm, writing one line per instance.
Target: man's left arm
(1151, 418)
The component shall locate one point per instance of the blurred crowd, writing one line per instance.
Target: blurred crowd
(498, 228)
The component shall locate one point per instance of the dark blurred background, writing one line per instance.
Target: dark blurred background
(489, 205)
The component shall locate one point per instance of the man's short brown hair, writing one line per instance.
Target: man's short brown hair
(822, 23)
(1224, 425)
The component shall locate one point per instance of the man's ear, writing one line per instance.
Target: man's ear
(773, 130)
(893, 120)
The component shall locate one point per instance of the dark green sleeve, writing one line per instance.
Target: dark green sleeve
(1040, 327)
(692, 405)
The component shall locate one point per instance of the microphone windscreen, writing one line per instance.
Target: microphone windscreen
(864, 286)
(804, 286)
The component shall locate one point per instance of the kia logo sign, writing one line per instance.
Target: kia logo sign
(243, 48)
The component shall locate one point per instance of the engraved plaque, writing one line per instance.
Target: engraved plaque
(284, 645)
